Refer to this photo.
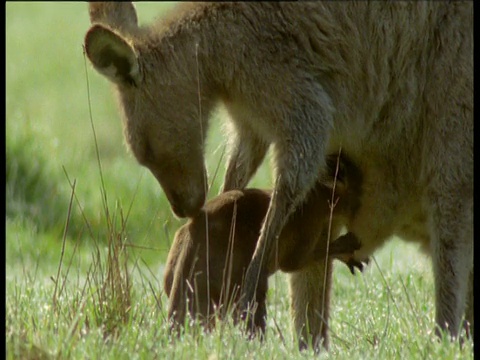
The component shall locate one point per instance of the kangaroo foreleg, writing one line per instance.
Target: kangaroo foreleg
(310, 304)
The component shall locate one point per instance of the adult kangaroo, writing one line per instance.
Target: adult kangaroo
(388, 83)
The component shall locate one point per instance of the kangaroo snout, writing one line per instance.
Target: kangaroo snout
(186, 206)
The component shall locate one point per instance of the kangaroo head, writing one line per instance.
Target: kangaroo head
(159, 98)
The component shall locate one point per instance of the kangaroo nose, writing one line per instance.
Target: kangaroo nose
(188, 207)
(178, 211)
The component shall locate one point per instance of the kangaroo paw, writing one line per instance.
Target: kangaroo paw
(353, 263)
(344, 248)
(345, 244)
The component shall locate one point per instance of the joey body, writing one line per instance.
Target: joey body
(208, 258)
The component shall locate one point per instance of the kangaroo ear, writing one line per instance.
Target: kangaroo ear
(112, 56)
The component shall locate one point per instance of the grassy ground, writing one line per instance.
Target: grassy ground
(87, 235)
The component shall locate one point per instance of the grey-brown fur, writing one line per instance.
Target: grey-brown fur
(390, 83)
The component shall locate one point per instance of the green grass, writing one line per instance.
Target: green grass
(61, 301)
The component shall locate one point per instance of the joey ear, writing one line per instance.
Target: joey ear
(112, 56)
